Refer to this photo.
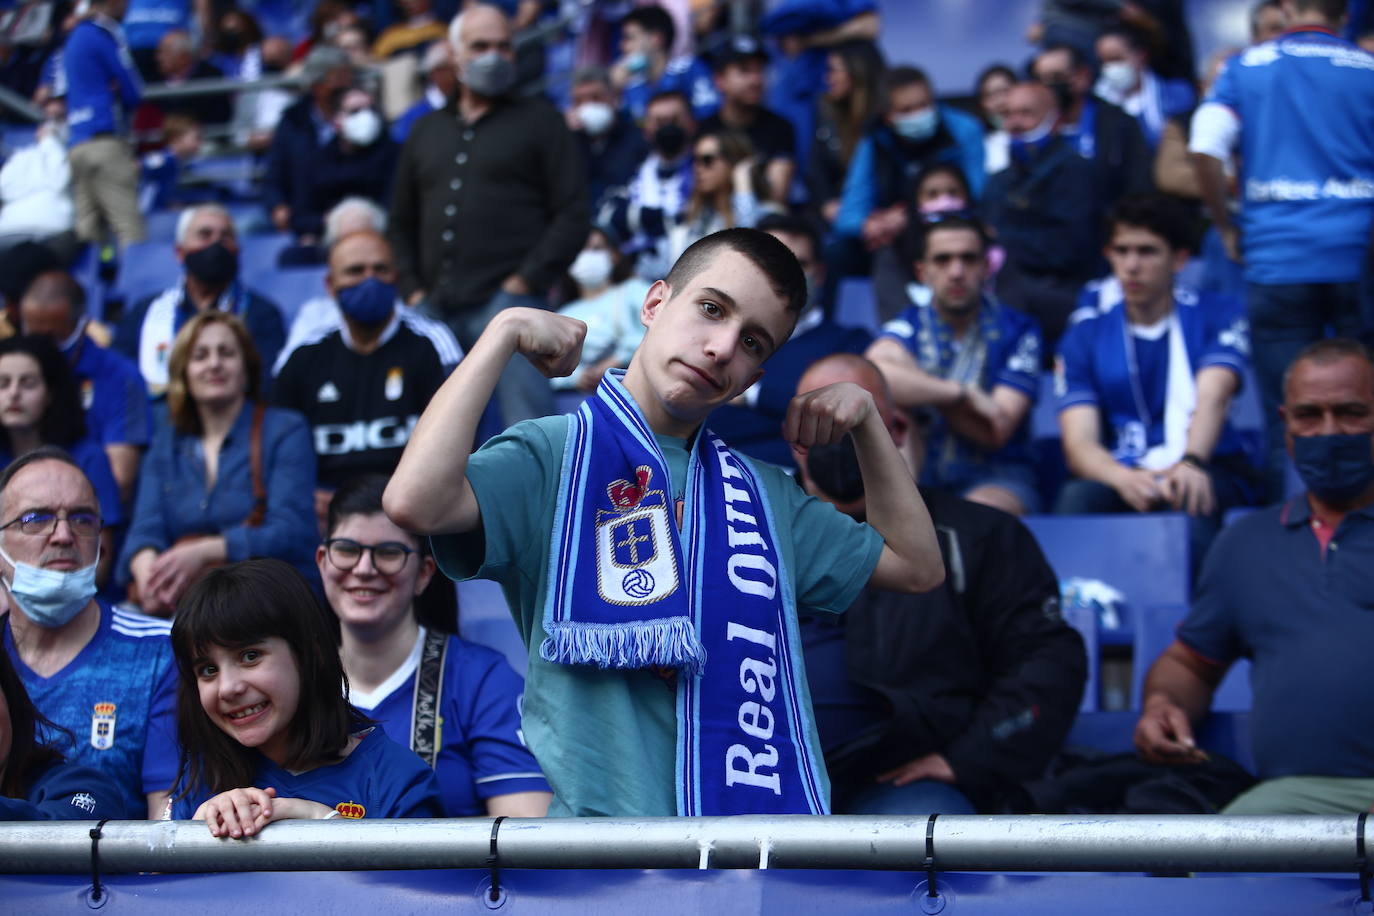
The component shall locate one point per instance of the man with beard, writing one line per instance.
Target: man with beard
(973, 365)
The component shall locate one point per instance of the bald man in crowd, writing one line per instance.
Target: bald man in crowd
(938, 702)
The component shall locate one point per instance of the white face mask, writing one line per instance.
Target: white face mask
(596, 117)
(592, 268)
(1119, 75)
(361, 127)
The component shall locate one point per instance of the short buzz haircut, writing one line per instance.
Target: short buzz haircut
(901, 77)
(790, 224)
(1325, 352)
(376, 218)
(942, 222)
(675, 94)
(771, 256)
(1076, 59)
(655, 20)
(1129, 36)
(1158, 213)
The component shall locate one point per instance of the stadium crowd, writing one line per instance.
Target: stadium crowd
(723, 352)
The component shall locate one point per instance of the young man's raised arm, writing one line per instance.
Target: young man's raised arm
(429, 493)
(910, 561)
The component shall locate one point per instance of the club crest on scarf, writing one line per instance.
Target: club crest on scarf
(634, 562)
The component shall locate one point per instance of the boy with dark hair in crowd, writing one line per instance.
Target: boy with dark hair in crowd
(664, 570)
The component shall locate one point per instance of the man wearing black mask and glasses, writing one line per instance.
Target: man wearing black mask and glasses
(207, 245)
(939, 702)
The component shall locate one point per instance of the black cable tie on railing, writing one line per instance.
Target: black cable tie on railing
(1362, 857)
(930, 857)
(494, 862)
(97, 891)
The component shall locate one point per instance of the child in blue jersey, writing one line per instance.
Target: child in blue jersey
(464, 716)
(35, 783)
(266, 733)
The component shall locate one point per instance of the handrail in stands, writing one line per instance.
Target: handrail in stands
(1194, 843)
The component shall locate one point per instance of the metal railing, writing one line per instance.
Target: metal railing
(1189, 843)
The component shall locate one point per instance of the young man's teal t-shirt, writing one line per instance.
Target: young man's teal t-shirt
(607, 739)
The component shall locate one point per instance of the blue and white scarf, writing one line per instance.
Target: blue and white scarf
(713, 602)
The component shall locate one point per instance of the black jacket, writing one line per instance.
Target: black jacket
(983, 670)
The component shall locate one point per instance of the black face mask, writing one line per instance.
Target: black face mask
(670, 140)
(231, 43)
(1063, 94)
(214, 265)
(835, 470)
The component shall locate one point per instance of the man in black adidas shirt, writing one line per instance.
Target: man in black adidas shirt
(364, 386)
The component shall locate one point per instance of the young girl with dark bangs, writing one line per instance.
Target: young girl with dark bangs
(266, 732)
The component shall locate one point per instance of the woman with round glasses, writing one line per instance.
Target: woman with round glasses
(455, 703)
(40, 404)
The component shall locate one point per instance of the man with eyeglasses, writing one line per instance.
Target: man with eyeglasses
(970, 365)
(103, 675)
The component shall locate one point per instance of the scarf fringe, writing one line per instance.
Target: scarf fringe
(668, 643)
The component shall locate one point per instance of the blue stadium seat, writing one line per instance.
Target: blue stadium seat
(1154, 631)
(1044, 416)
(484, 617)
(258, 255)
(856, 305)
(289, 288)
(1145, 557)
(161, 225)
(1084, 620)
(146, 268)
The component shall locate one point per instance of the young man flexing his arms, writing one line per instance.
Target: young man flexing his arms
(654, 574)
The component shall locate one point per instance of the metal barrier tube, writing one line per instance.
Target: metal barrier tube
(968, 843)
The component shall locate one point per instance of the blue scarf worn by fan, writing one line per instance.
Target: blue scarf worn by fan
(712, 601)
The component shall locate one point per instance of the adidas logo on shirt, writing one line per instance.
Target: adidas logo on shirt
(328, 393)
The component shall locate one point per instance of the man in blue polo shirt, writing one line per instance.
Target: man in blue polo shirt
(1144, 386)
(1289, 588)
(1295, 109)
(101, 86)
(118, 414)
(973, 364)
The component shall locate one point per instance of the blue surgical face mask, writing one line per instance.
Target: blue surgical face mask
(369, 303)
(1026, 146)
(636, 62)
(917, 125)
(49, 597)
(1337, 468)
